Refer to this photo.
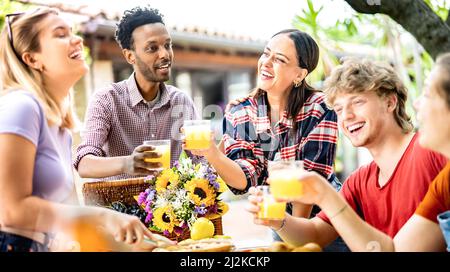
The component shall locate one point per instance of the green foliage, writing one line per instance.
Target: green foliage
(308, 22)
(7, 6)
(87, 55)
(385, 40)
(440, 7)
(376, 31)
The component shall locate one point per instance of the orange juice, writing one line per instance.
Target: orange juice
(165, 156)
(271, 209)
(198, 139)
(285, 184)
(82, 235)
(162, 147)
(197, 134)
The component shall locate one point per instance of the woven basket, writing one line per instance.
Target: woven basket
(104, 193)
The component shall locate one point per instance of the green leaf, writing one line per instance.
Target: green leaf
(183, 156)
(154, 228)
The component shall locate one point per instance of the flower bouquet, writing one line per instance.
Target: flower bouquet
(178, 196)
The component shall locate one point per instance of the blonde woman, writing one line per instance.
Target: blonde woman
(41, 60)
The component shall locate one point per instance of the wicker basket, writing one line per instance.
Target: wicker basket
(104, 193)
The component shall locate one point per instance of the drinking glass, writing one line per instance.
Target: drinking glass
(284, 178)
(197, 134)
(162, 147)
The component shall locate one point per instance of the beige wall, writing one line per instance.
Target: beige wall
(102, 74)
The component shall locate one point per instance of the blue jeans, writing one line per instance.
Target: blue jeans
(444, 223)
(15, 243)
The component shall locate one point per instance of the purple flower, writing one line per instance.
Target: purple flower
(149, 178)
(151, 195)
(184, 225)
(141, 198)
(213, 208)
(149, 217)
(200, 209)
(211, 177)
(148, 207)
(216, 185)
(166, 233)
(178, 231)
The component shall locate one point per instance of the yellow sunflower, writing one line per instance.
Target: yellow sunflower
(167, 179)
(200, 191)
(223, 186)
(164, 218)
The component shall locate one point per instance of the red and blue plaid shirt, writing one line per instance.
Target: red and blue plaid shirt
(251, 142)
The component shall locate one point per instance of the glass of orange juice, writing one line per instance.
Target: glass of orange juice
(269, 208)
(162, 147)
(284, 178)
(197, 134)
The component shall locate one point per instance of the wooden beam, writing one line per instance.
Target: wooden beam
(184, 58)
(189, 59)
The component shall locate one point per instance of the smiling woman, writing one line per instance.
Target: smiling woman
(284, 119)
(44, 62)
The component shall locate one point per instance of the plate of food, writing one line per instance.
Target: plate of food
(285, 247)
(202, 245)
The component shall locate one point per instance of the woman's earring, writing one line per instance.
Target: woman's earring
(297, 84)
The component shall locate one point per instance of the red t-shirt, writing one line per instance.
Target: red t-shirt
(389, 207)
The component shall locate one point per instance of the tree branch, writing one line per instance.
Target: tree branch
(448, 18)
(416, 17)
(365, 6)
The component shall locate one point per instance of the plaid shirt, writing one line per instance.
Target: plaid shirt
(118, 119)
(251, 142)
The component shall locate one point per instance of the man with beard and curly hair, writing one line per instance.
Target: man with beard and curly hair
(124, 114)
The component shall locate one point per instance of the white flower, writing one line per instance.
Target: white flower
(201, 172)
(177, 204)
(191, 220)
(185, 165)
(180, 198)
(161, 201)
(181, 194)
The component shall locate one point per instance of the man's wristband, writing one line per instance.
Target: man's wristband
(339, 212)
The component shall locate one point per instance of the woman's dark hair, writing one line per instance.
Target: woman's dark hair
(133, 19)
(308, 58)
(443, 62)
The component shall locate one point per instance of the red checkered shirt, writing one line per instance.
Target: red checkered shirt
(118, 119)
(251, 142)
